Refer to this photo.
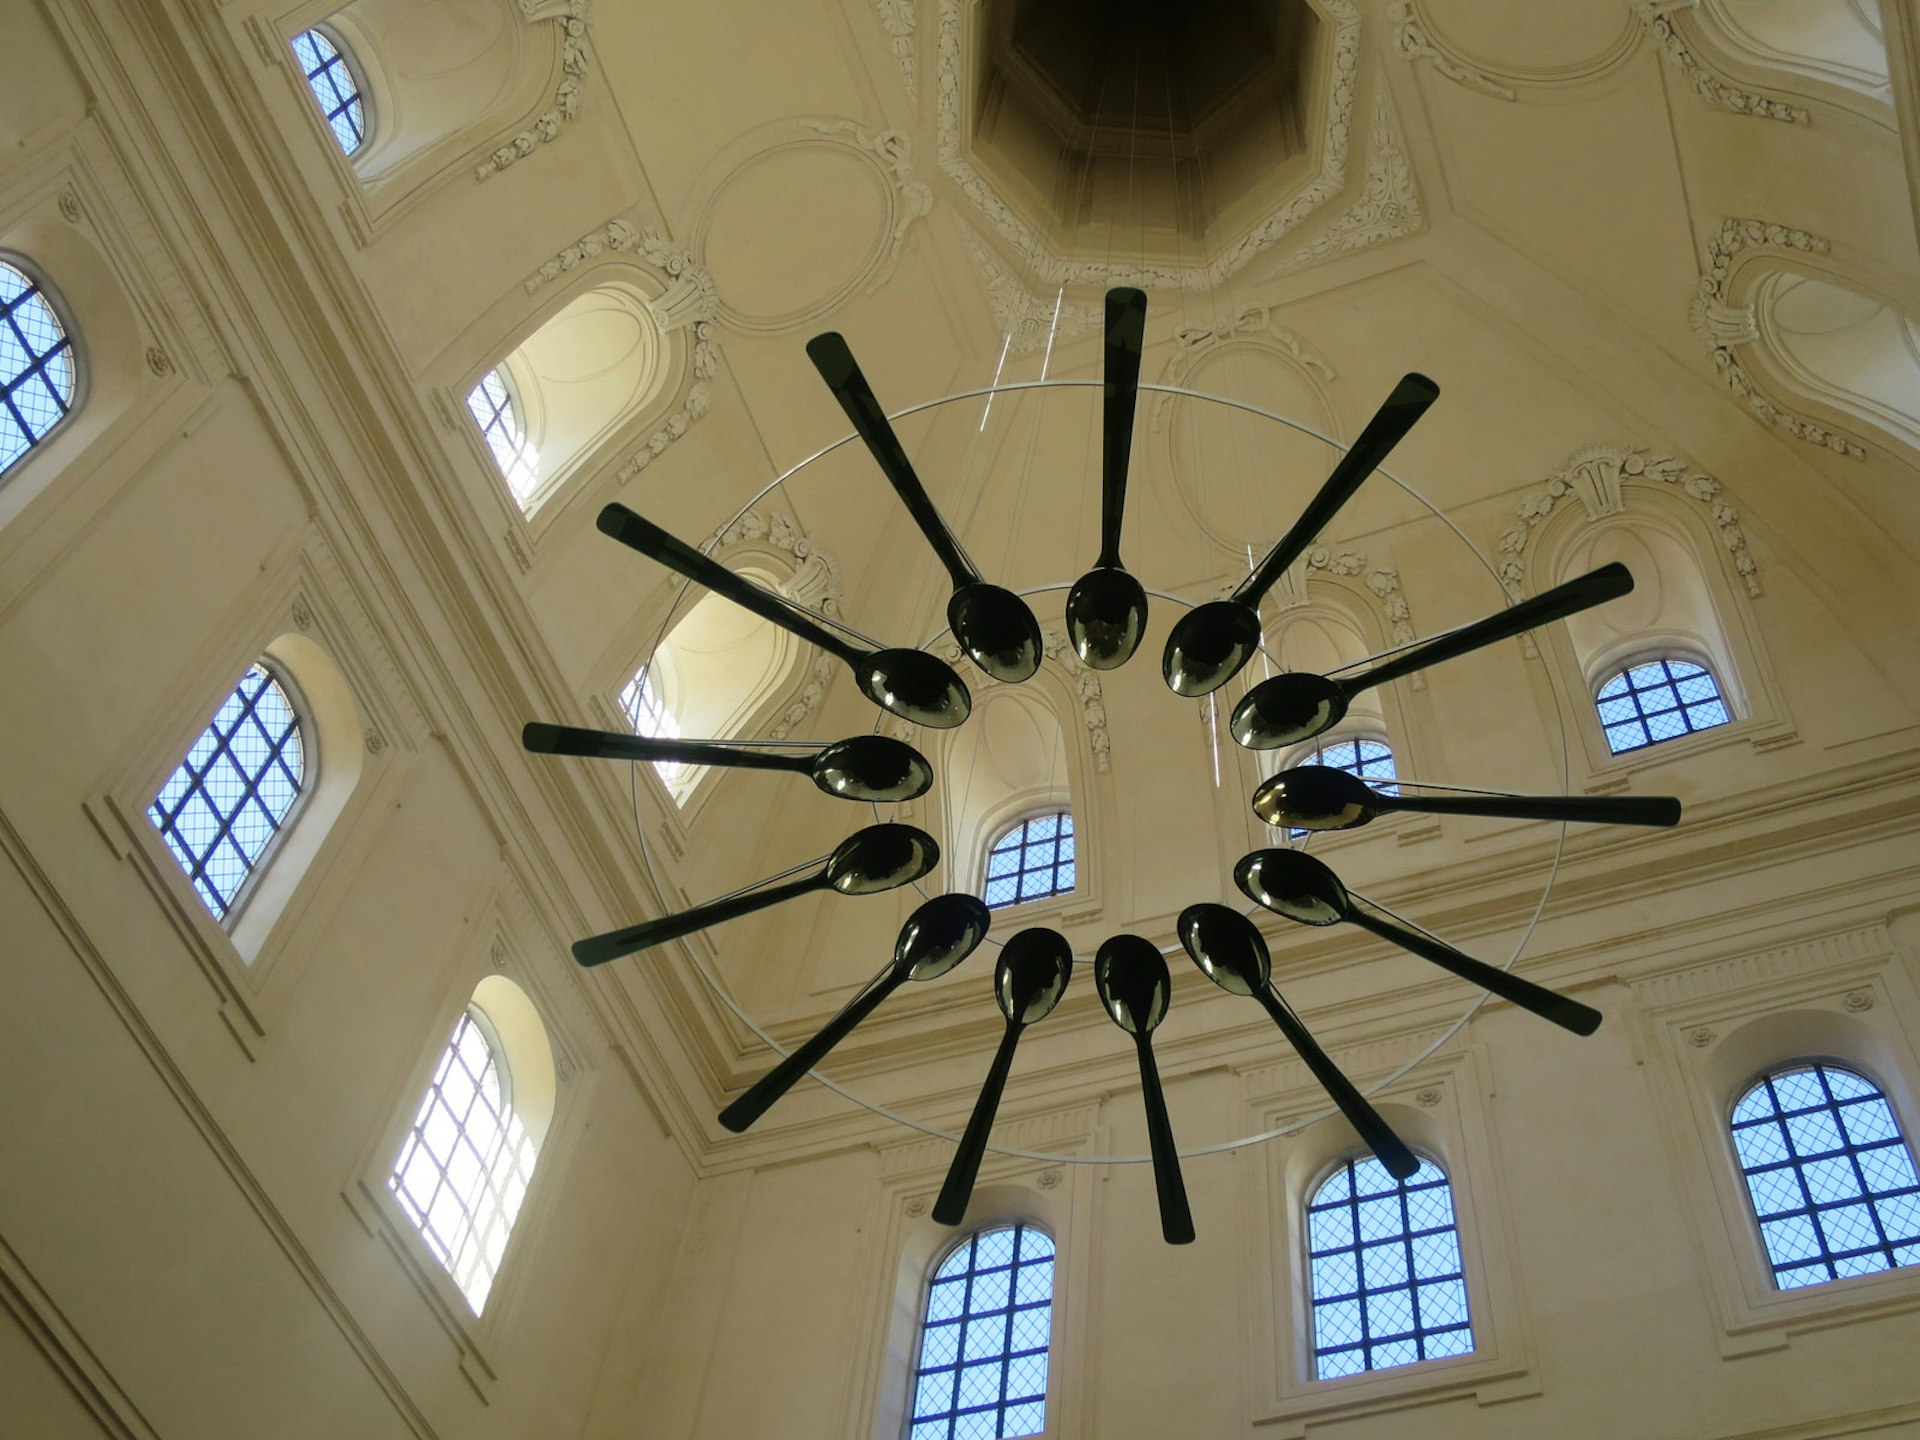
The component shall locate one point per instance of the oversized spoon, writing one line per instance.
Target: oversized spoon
(1287, 709)
(1027, 983)
(861, 767)
(1319, 797)
(1107, 607)
(1212, 642)
(1133, 984)
(1231, 952)
(908, 683)
(992, 624)
(1294, 884)
(880, 857)
(937, 937)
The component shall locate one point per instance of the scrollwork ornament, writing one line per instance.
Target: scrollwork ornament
(1049, 1179)
(1413, 41)
(70, 207)
(1656, 18)
(1708, 313)
(571, 16)
(1427, 1098)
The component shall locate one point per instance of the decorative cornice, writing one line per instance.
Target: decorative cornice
(913, 198)
(1412, 40)
(1389, 206)
(815, 586)
(1026, 319)
(1726, 327)
(1844, 951)
(1344, 18)
(897, 19)
(1656, 18)
(1595, 474)
(690, 302)
(571, 16)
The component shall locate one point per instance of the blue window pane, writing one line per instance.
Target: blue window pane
(1031, 861)
(333, 87)
(505, 431)
(36, 366)
(1833, 1186)
(1385, 1277)
(983, 1365)
(232, 793)
(1660, 700)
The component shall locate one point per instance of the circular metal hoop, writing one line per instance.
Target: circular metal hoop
(725, 996)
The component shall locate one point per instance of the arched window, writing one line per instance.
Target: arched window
(220, 810)
(333, 84)
(648, 714)
(464, 1167)
(1387, 1284)
(1659, 700)
(983, 1347)
(492, 405)
(1031, 861)
(1832, 1182)
(36, 366)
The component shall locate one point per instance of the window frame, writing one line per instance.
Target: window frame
(310, 780)
(362, 90)
(966, 1237)
(525, 505)
(1620, 666)
(78, 357)
(1053, 810)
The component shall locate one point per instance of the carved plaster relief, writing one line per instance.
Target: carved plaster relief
(1726, 327)
(1389, 206)
(897, 19)
(1085, 682)
(1417, 37)
(571, 16)
(1656, 18)
(1026, 319)
(865, 180)
(815, 586)
(691, 302)
(1382, 581)
(1414, 40)
(1595, 475)
(1343, 16)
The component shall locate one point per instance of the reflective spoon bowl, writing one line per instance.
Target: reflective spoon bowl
(1208, 647)
(997, 629)
(1106, 616)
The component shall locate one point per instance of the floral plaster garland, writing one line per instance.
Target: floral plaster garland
(1656, 16)
(815, 585)
(571, 16)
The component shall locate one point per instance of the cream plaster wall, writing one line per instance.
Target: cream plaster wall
(273, 450)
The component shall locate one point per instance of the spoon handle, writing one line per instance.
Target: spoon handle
(1584, 809)
(777, 1081)
(835, 362)
(544, 739)
(1126, 337)
(1582, 592)
(951, 1207)
(1390, 423)
(599, 949)
(650, 540)
(1176, 1219)
(1388, 1148)
(1548, 1005)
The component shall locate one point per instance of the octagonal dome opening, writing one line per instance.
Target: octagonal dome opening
(1161, 120)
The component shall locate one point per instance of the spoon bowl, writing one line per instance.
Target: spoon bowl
(1294, 884)
(914, 685)
(1106, 616)
(872, 767)
(1133, 983)
(1315, 797)
(881, 857)
(997, 630)
(1208, 646)
(1287, 709)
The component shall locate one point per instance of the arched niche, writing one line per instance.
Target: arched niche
(1007, 763)
(438, 73)
(580, 377)
(522, 1041)
(1850, 350)
(1835, 42)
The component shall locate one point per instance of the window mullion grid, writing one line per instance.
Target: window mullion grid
(36, 365)
(1359, 1264)
(1413, 1278)
(1852, 1152)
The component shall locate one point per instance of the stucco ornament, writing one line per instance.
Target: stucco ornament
(815, 585)
(1656, 18)
(571, 17)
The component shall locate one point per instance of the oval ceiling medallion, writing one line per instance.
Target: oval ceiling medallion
(835, 219)
(1535, 45)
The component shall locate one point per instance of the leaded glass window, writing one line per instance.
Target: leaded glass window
(649, 715)
(983, 1349)
(231, 795)
(1384, 1257)
(334, 87)
(1031, 861)
(465, 1165)
(1831, 1179)
(1660, 700)
(36, 365)
(491, 404)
